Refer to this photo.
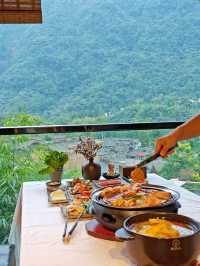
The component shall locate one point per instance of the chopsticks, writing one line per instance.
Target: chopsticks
(148, 160)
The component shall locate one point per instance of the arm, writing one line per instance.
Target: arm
(188, 130)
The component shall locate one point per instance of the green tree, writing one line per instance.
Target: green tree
(19, 162)
(185, 163)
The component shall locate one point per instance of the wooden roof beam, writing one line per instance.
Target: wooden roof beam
(20, 11)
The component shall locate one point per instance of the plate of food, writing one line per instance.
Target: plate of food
(78, 193)
(106, 183)
(80, 188)
(75, 208)
(57, 196)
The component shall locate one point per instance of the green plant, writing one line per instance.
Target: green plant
(184, 163)
(18, 163)
(54, 161)
(72, 173)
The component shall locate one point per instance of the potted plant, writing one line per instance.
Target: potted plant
(88, 148)
(55, 161)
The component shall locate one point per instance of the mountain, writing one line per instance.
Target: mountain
(112, 60)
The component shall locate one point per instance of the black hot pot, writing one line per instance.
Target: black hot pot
(113, 217)
(151, 251)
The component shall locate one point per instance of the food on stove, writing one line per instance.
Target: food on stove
(161, 228)
(161, 194)
(138, 175)
(112, 191)
(58, 195)
(150, 201)
(120, 202)
(133, 196)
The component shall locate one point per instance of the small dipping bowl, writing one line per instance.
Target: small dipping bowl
(106, 176)
(52, 185)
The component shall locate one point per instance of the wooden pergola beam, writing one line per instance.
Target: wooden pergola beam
(20, 11)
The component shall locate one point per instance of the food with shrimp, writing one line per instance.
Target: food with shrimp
(133, 196)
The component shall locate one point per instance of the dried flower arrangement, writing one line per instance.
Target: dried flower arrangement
(88, 147)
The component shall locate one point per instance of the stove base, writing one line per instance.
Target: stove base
(95, 229)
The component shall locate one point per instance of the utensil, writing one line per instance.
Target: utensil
(67, 194)
(65, 231)
(143, 163)
(151, 158)
(126, 179)
(74, 226)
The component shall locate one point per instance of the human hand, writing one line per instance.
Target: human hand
(164, 144)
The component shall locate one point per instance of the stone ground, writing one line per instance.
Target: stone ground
(4, 252)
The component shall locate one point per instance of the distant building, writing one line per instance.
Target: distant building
(140, 155)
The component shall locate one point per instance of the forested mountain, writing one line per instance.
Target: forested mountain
(115, 60)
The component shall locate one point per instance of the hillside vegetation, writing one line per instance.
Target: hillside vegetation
(109, 60)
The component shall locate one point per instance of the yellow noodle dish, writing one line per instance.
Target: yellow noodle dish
(161, 228)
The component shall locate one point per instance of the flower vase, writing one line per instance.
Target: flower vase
(91, 170)
(56, 175)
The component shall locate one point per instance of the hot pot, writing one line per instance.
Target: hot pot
(151, 251)
(113, 217)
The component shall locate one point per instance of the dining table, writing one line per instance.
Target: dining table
(37, 229)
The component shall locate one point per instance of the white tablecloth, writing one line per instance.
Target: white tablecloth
(37, 231)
